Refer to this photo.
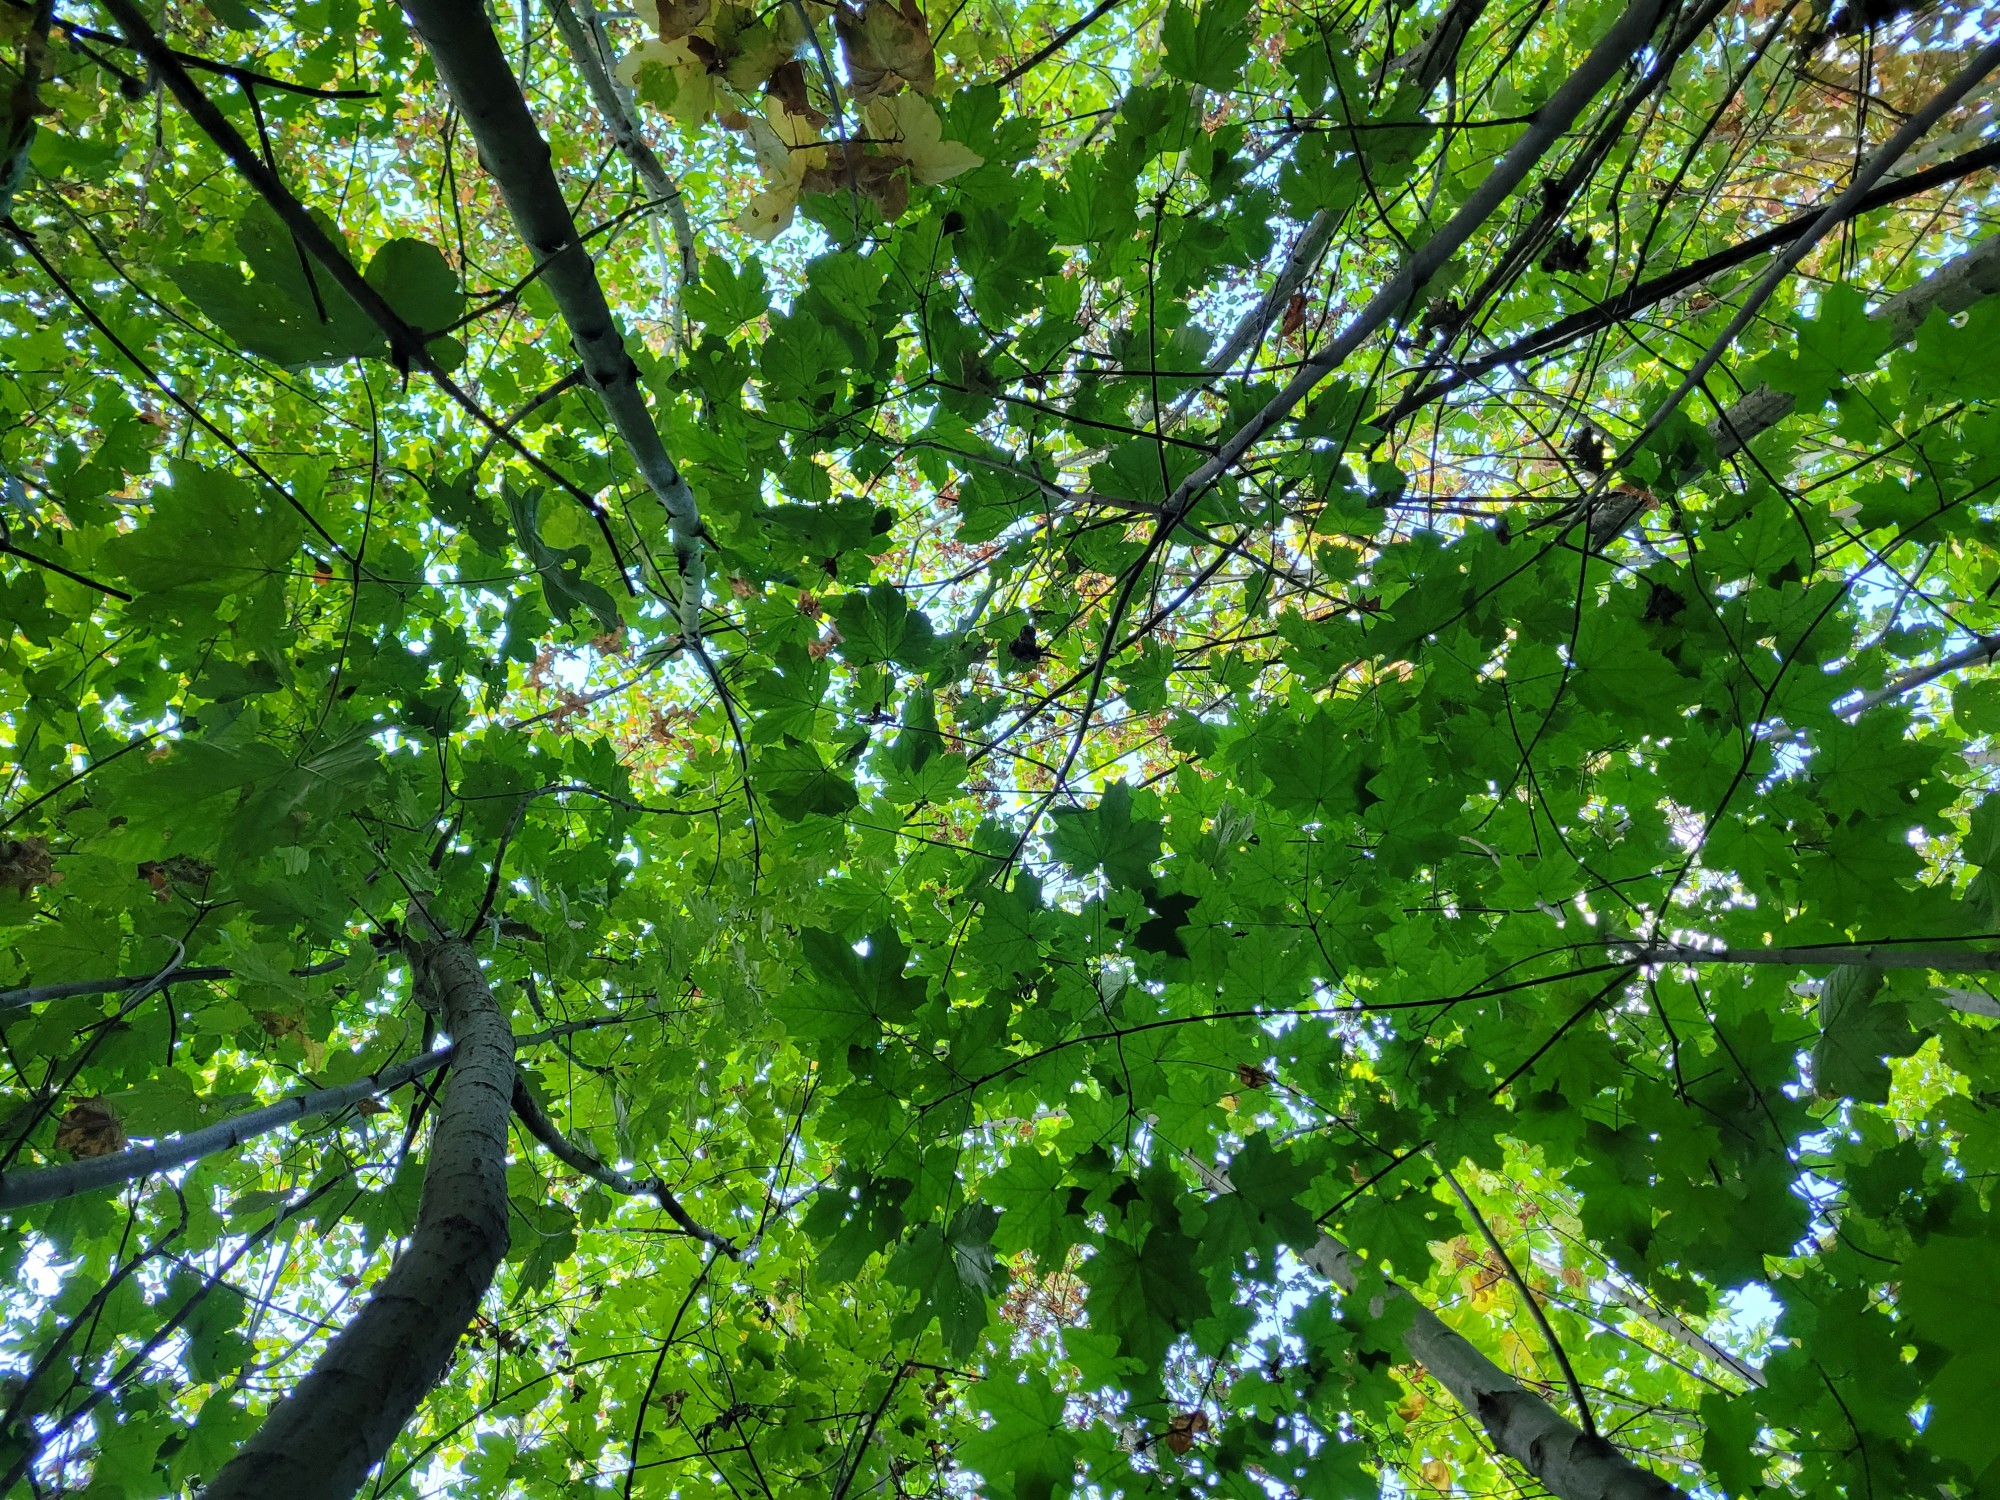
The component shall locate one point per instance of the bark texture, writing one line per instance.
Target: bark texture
(476, 74)
(320, 1442)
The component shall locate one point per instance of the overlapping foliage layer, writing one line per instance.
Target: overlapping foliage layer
(1184, 760)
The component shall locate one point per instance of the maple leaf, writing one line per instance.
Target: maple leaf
(886, 47)
(90, 1127)
(906, 126)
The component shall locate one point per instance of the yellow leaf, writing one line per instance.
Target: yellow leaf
(908, 127)
(768, 214)
(1437, 1473)
(672, 78)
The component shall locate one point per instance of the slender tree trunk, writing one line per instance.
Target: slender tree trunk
(320, 1442)
(476, 74)
(1562, 1457)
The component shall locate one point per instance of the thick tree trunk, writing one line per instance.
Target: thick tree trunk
(320, 1442)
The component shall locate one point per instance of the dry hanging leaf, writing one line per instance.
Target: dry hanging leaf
(25, 864)
(886, 46)
(1185, 1427)
(882, 180)
(1294, 318)
(1251, 1076)
(1437, 1473)
(678, 17)
(908, 127)
(787, 85)
(90, 1128)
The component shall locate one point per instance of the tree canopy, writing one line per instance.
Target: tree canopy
(1015, 749)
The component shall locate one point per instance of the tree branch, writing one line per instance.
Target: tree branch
(1617, 46)
(1570, 1463)
(545, 1130)
(47, 1184)
(582, 40)
(1636, 298)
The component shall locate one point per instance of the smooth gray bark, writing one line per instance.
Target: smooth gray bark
(46, 1184)
(1567, 1461)
(581, 37)
(320, 1442)
(475, 72)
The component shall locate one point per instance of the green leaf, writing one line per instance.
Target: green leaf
(1146, 1297)
(955, 1273)
(560, 568)
(1209, 47)
(1857, 1030)
(1106, 837)
(1028, 1450)
(797, 783)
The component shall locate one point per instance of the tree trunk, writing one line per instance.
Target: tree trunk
(476, 74)
(320, 1442)
(1560, 1455)
(1568, 1462)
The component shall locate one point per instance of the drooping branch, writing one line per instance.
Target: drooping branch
(320, 1442)
(475, 72)
(408, 346)
(46, 1184)
(545, 1130)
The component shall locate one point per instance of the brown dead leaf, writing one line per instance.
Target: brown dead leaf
(90, 1127)
(1185, 1427)
(1251, 1076)
(1294, 318)
(25, 864)
(787, 84)
(886, 47)
(678, 17)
